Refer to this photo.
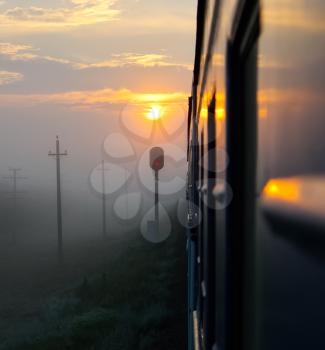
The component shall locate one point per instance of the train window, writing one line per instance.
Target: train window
(291, 175)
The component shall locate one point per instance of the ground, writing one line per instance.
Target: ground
(113, 294)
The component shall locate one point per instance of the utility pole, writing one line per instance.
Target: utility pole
(58, 156)
(102, 169)
(14, 177)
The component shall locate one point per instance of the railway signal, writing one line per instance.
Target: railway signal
(58, 156)
(157, 162)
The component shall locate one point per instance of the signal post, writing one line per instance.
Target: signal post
(157, 160)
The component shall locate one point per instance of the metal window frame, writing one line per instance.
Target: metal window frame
(241, 135)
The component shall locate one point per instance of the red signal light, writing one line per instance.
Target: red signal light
(157, 158)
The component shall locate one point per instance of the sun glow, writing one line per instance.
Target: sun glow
(154, 113)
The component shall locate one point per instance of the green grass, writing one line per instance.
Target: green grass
(138, 302)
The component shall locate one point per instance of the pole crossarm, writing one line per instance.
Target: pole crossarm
(58, 154)
(14, 175)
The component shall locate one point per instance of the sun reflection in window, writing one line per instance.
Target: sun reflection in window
(284, 189)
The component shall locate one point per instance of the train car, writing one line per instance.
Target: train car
(256, 184)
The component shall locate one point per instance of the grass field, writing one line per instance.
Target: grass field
(133, 299)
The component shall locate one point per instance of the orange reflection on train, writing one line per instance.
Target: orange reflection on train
(283, 189)
(304, 192)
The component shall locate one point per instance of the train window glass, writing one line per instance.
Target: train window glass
(291, 171)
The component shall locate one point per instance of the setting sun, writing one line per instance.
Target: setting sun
(154, 113)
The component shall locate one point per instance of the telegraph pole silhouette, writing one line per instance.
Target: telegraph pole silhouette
(58, 156)
(14, 177)
(102, 169)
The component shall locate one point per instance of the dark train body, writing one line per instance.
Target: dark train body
(256, 177)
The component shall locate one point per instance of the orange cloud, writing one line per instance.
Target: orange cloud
(135, 59)
(12, 50)
(93, 98)
(21, 52)
(9, 77)
(76, 13)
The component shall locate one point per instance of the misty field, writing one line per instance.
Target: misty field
(121, 293)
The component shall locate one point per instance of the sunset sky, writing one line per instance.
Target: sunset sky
(94, 51)
(68, 67)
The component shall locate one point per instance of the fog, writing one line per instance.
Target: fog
(30, 271)
(25, 143)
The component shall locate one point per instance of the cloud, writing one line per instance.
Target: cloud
(10, 49)
(9, 77)
(135, 59)
(22, 52)
(76, 13)
(94, 98)
(130, 19)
